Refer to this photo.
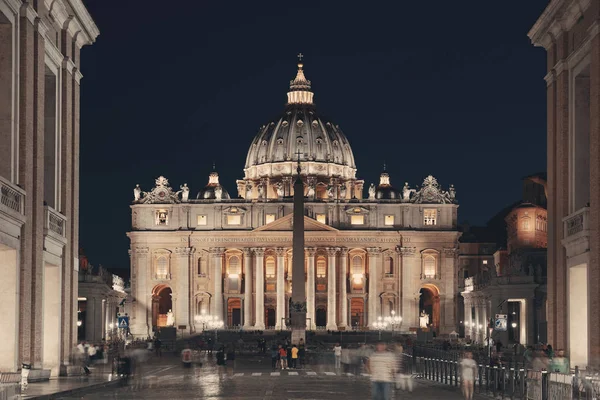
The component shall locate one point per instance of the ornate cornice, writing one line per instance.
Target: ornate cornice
(288, 238)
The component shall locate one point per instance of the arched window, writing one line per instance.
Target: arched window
(321, 267)
(525, 224)
(235, 267)
(429, 264)
(270, 267)
(162, 267)
(357, 265)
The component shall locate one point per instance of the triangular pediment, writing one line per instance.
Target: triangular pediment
(286, 224)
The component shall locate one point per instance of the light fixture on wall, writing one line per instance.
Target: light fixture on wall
(79, 323)
(514, 324)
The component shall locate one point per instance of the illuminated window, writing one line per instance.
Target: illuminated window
(234, 220)
(162, 217)
(235, 267)
(389, 220)
(429, 216)
(321, 268)
(269, 218)
(162, 267)
(429, 266)
(357, 265)
(322, 218)
(525, 224)
(202, 220)
(357, 219)
(270, 267)
(484, 262)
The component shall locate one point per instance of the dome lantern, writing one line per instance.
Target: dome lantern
(300, 87)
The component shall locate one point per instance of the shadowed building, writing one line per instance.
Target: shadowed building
(568, 30)
(40, 44)
(231, 257)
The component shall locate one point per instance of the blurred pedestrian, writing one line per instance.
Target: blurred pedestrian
(294, 357)
(403, 378)
(560, 363)
(158, 346)
(337, 352)
(301, 354)
(283, 357)
(274, 357)
(382, 367)
(468, 370)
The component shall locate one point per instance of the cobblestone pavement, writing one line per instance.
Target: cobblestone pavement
(253, 380)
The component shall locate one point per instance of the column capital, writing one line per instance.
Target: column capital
(406, 251)
(332, 251)
(280, 251)
(373, 251)
(343, 251)
(311, 251)
(141, 251)
(259, 251)
(184, 251)
(247, 252)
(217, 251)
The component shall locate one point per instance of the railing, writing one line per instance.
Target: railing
(12, 196)
(55, 221)
(578, 221)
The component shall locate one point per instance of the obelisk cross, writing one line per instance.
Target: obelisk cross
(300, 57)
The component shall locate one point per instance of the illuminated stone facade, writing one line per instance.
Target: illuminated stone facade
(231, 258)
(569, 31)
(40, 74)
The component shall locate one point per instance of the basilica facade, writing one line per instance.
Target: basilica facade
(367, 257)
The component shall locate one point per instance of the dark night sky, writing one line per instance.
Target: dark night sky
(448, 88)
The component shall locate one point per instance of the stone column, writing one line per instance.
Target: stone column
(410, 293)
(259, 314)
(476, 330)
(467, 321)
(142, 301)
(280, 314)
(343, 287)
(373, 297)
(217, 276)
(247, 288)
(331, 303)
(310, 288)
(182, 314)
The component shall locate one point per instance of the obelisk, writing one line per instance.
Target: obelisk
(298, 303)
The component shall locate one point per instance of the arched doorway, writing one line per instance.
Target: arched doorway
(429, 303)
(270, 317)
(321, 318)
(234, 312)
(357, 310)
(161, 304)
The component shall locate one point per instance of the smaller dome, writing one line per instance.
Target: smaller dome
(214, 190)
(385, 191)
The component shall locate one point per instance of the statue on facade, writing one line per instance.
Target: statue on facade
(331, 191)
(372, 191)
(310, 193)
(343, 191)
(185, 192)
(170, 318)
(279, 189)
(137, 193)
(218, 193)
(406, 192)
(452, 193)
(248, 190)
(424, 320)
(261, 191)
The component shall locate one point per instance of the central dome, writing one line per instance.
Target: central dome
(300, 133)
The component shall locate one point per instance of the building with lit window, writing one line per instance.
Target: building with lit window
(367, 256)
(569, 31)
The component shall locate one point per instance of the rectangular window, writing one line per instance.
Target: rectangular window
(234, 220)
(525, 224)
(202, 220)
(429, 216)
(269, 218)
(322, 218)
(321, 269)
(162, 217)
(357, 219)
(389, 220)
(484, 262)
(270, 268)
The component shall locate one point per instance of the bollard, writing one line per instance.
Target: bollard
(456, 373)
(503, 376)
(480, 376)
(446, 372)
(512, 384)
(494, 380)
(545, 381)
(25, 368)
(522, 378)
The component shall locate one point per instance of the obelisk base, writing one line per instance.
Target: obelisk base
(298, 321)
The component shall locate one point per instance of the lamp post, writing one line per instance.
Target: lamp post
(209, 322)
(380, 325)
(393, 320)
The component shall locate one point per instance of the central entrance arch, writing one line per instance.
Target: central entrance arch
(429, 302)
(162, 302)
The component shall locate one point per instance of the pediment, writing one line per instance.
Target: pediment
(286, 224)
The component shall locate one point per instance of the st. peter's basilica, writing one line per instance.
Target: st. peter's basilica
(389, 252)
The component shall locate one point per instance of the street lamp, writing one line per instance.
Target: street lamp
(393, 320)
(209, 322)
(380, 324)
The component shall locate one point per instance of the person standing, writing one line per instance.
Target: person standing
(283, 357)
(468, 368)
(157, 347)
(294, 357)
(274, 357)
(382, 367)
(337, 352)
(301, 354)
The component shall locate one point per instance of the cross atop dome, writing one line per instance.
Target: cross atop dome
(300, 86)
